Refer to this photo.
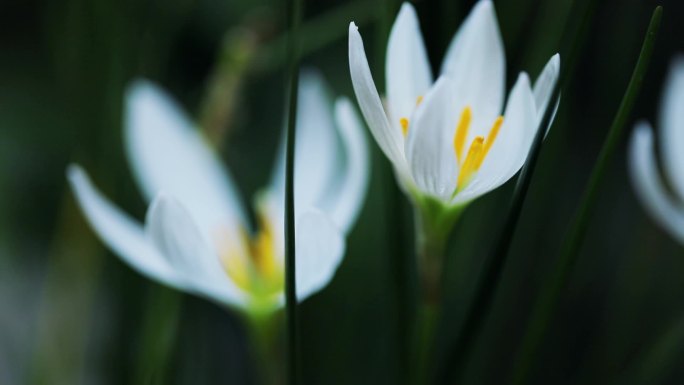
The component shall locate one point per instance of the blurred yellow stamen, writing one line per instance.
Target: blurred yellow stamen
(462, 133)
(252, 263)
(404, 125)
(471, 161)
(419, 100)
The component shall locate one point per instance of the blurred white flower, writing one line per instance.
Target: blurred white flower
(447, 139)
(667, 207)
(196, 236)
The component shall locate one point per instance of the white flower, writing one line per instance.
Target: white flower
(447, 139)
(196, 235)
(667, 208)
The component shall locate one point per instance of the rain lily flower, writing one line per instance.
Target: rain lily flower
(196, 235)
(450, 140)
(666, 205)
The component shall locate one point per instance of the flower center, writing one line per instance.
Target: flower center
(477, 151)
(256, 270)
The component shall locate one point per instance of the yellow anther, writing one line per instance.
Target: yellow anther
(404, 125)
(491, 137)
(462, 133)
(471, 161)
(419, 100)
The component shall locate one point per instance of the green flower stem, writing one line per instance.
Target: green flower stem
(264, 338)
(546, 302)
(434, 222)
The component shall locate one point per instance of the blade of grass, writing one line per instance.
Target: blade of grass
(552, 288)
(486, 287)
(294, 16)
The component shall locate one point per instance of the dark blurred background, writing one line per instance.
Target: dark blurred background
(71, 313)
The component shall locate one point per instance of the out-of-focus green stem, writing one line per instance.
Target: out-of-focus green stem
(553, 286)
(263, 330)
(158, 334)
(294, 16)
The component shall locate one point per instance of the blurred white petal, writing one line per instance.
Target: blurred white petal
(317, 148)
(124, 236)
(351, 193)
(672, 126)
(167, 153)
(320, 248)
(171, 229)
(648, 184)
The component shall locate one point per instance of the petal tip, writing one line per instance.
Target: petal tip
(74, 172)
(484, 6)
(524, 79)
(406, 9)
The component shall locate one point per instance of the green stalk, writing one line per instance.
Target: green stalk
(552, 288)
(263, 332)
(434, 223)
(294, 16)
(157, 335)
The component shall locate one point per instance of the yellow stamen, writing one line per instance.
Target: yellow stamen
(462, 133)
(419, 100)
(404, 125)
(491, 137)
(471, 161)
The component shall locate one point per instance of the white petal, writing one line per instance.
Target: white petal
(649, 186)
(167, 153)
(543, 87)
(317, 150)
(388, 138)
(354, 180)
(171, 229)
(407, 68)
(476, 62)
(512, 145)
(672, 126)
(429, 145)
(123, 235)
(320, 249)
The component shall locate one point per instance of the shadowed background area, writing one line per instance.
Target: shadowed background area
(72, 313)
